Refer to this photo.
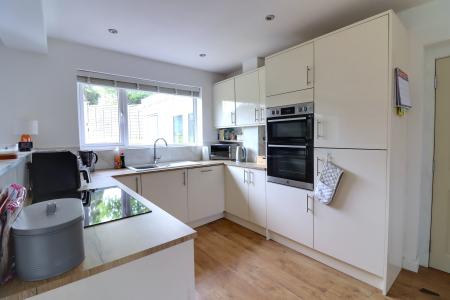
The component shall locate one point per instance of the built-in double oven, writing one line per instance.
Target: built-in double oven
(290, 145)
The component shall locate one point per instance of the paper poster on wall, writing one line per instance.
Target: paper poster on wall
(403, 97)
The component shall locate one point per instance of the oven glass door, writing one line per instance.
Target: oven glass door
(290, 130)
(291, 165)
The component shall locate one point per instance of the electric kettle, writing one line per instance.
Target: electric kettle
(241, 154)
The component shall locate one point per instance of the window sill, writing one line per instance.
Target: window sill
(112, 148)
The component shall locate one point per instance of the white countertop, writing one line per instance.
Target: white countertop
(8, 164)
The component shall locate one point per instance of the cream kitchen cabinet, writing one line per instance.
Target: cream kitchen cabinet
(257, 197)
(224, 104)
(205, 192)
(168, 190)
(351, 92)
(236, 192)
(245, 195)
(131, 181)
(290, 70)
(290, 212)
(262, 95)
(352, 227)
(247, 98)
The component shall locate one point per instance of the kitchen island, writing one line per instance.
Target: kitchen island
(149, 255)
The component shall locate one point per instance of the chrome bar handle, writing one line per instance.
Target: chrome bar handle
(204, 171)
(245, 176)
(256, 114)
(319, 129)
(184, 177)
(308, 68)
(307, 203)
(317, 165)
(137, 184)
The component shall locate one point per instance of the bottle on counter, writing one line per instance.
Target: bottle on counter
(117, 159)
(122, 159)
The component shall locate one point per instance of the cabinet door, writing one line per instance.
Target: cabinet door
(131, 181)
(224, 104)
(168, 190)
(289, 212)
(236, 192)
(205, 192)
(262, 95)
(352, 227)
(247, 98)
(257, 197)
(290, 70)
(351, 87)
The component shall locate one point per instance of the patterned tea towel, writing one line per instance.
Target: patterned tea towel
(328, 182)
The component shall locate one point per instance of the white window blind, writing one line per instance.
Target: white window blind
(104, 79)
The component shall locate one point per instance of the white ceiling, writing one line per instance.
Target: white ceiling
(228, 31)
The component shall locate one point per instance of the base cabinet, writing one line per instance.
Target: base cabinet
(245, 195)
(290, 213)
(131, 181)
(352, 227)
(205, 192)
(168, 190)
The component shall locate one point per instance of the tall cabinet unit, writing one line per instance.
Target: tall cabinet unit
(357, 128)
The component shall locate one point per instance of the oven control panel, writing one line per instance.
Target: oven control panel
(290, 110)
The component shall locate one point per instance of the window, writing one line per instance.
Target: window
(113, 114)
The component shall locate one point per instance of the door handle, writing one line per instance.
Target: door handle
(256, 114)
(308, 68)
(184, 178)
(319, 129)
(317, 165)
(137, 184)
(245, 176)
(307, 203)
(204, 171)
(261, 114)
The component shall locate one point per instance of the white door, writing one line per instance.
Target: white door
(131, 181)
(236, 192)
(440, 227)
(351, 87)
(352, 227)
(224, 103)
(205, 192)
(257, 197)
(290, 70)
(247, 98)
(168, 190)
(262, 95)
(290, 212)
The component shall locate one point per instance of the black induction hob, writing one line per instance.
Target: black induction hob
(109, 204)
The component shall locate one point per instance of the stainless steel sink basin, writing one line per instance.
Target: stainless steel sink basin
(142, 167)
(162, 165)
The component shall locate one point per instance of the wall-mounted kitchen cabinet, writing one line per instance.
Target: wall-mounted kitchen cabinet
(224, 104)
(290, 70)
(352, 84)
(245, 195)
(168, 190)
(240, 101)
(205, 192)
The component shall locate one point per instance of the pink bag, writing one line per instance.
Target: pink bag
(12, 199)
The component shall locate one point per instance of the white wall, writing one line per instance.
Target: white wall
(43, 87)
(428, 24)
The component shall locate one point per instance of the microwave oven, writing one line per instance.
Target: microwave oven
(222, 151)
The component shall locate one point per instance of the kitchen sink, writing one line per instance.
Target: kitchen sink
(162, 165)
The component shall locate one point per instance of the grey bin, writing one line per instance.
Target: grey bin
(48, 238)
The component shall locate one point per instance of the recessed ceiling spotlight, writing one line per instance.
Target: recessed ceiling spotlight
(113, 31)
(270, 17)
(202, 54)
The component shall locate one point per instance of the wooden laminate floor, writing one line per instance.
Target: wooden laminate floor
(232, 262)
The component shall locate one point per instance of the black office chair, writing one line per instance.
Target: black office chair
(54, 175)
